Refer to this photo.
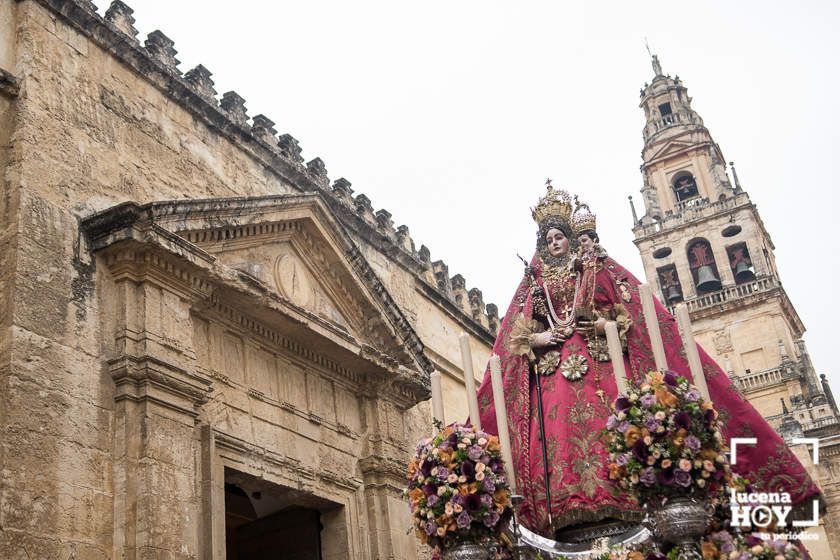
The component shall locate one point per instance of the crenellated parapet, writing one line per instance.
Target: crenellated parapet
(194, 90)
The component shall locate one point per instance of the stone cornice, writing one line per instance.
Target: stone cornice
(133, 243)
(9, 84)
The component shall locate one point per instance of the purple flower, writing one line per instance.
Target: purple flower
(624, 426)
(623, 404)
(491, 519)
(651, 424)
(647, 400)
(430, 527)
(486, 500)
(640, 450)
(432, 500)
(429, 489)
(463, 520)
(693, 395)
(692, 443)
(682, 420)
(474, 452)
(656, 556)
(472, 503)
(612, 422)
(488, 486)
(708, 416)
(666, 476)
(682, 478)
(468, 469)
(752, 540)
(426, 467)
(671, 378)
(495, 465)
(647, 477)
(622, 459)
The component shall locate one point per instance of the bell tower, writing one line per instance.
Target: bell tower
(703, 243)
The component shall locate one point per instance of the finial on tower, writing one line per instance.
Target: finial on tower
(654, 60)
(633, 209)
(735, 177)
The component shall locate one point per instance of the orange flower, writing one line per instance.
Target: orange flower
(445, 457)
(656, 378)
(501, 497)
(709, 454)
(666, 398)
(415, 495)
(710, 551)
(493, 444)
(412, 468)
(616, 472)
(635, 555)
(679, 437)
(632, 435)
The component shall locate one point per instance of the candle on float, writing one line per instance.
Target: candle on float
(469, 381)
(437, 397)
(691, 353)
(616, 356)
(652, 323)
(501, 419)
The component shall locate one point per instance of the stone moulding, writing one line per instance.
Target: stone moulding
(128, 234)
(9, 84)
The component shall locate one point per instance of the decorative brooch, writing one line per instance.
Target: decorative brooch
(574, 367)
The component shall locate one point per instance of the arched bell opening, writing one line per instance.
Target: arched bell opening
(740, 263)
(701, 261)
(669, 281)
(685, 186)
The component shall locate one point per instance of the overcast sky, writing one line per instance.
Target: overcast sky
(450, 115)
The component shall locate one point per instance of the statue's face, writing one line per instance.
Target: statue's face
(556, 242)
(586, 243)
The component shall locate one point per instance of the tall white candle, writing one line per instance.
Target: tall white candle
(437, 398)
(501, 419)
(691, 352)
(616, 356)
(652, 323)
(469, 380)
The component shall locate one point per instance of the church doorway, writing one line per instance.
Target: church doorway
(267, 521)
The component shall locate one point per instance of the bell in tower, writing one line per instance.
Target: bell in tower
(702, 263)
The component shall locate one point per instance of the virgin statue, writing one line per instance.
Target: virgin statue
(552, 340)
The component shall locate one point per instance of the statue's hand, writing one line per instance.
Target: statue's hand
(547, 338)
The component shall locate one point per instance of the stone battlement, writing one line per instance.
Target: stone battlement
(156, 61)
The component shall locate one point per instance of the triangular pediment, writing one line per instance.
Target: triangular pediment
(671, 148)
(294, 260)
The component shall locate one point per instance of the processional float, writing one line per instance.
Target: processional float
(679, 523)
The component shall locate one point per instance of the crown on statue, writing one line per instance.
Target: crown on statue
(556, 202)
(582, 219)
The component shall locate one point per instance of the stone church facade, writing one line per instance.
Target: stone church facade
(207, 349)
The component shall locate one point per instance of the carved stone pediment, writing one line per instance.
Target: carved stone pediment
(283, 262)
(670, 149)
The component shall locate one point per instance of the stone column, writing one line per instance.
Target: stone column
(157, 477)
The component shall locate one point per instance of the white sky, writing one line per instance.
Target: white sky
(450, 115)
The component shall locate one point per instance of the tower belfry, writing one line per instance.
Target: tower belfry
(703, 244)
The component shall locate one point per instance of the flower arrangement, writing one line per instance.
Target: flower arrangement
(457, 489)
(722, 545)
(664, 440)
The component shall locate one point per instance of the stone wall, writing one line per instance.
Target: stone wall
(90, 118)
